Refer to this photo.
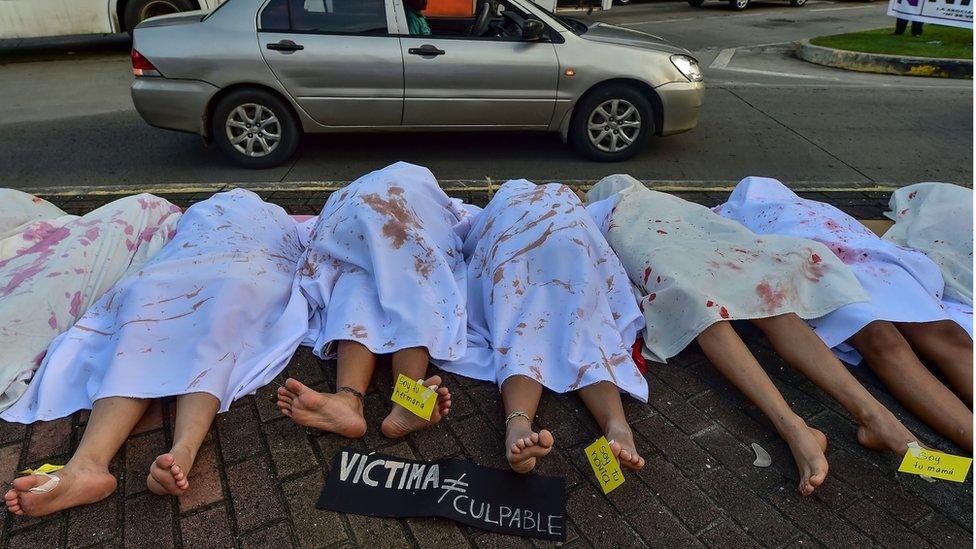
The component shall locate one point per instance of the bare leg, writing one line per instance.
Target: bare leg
(892, 359)
(951, 349)
(85, 478)
(342, 412)
(195, 413)
(805, 352)
(401, 422)
(729, 354)
(603, 401)
(522, 444)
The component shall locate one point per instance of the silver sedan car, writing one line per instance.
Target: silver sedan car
(254, 75)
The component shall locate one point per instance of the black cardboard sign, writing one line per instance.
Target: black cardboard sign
(380, 485)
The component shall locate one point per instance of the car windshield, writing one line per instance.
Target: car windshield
(575, 26)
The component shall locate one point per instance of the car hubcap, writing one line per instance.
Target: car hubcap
(253, 130)
(741, 3)
(153, 9)
(614, 125)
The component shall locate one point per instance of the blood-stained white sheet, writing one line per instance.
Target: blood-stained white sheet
(53, 266)
(904, 284)
(691, 268)
(547, 297)
(214, 311)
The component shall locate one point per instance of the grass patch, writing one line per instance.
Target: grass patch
(936, 41)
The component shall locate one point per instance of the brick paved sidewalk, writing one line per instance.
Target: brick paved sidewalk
(258, 475)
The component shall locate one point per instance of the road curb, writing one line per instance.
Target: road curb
(902, 65)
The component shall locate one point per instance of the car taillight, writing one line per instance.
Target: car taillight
(141, 66)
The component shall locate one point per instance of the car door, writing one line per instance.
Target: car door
(336, 58)
(463, 81)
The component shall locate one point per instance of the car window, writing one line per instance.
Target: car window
(341, 16)
(275, 16)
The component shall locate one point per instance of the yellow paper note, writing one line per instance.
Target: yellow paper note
(604, 465)
(46, 468)
(919, 461)
(414, 396)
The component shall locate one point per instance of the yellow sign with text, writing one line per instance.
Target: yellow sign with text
(929, 463)
(414, 396)
(604, 465)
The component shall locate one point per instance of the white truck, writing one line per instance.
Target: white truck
(35, 18)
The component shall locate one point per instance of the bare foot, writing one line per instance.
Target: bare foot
(523, 446)
(168, 473)
(79, 485)
(623, 447)
(808, 446)
(881, 431)
(401, 422)
(340, 413)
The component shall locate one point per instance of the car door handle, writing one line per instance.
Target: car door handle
(426, 50)
(286, 46)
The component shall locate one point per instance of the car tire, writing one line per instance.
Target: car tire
(601, 146)
(797, 3)
(622, 2)
(137, 11)
(738, 5)
(696, 3)
(233, 117)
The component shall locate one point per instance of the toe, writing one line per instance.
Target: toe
(545, 438)
(295, 387)
(514, 449)
(166, 461)
(521, 443)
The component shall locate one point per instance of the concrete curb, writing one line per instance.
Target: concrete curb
(886, 64)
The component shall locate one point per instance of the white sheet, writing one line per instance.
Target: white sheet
(691, 268)
(384, 266)
(937, 220)
(213, 312)
(904, 284)
(548, 299)
(53, 266)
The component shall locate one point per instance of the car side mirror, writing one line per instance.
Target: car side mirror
(533, 30)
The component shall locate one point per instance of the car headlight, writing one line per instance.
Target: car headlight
(688, 66)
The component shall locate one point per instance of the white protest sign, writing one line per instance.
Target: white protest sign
(954, 13)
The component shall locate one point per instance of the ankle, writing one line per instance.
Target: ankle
(350, 399)
(86, 463)
(181, 450)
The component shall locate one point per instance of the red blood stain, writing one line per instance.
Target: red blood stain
(903, 212)
(53, 321)
(772, 299)
(723, 312)
(658, 280)
(709, 303)
(815, 258)
(814, 269)
(659, 231)
(911, 195)
(36, 200)
(40, 358)
(651, 297)
(75, 309)
(647, 274)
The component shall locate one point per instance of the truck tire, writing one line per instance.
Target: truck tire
(137, 11)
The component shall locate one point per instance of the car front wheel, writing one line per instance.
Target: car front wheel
(797, 3)
(612, 123)
(738, 4)
(255, 129)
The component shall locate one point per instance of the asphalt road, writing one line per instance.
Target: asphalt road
(66, 118)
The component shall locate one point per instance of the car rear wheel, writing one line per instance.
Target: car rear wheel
(738, 4)
(137, 11)
(255, 129)
(612, 123)
(696, 3)
(797, 3)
